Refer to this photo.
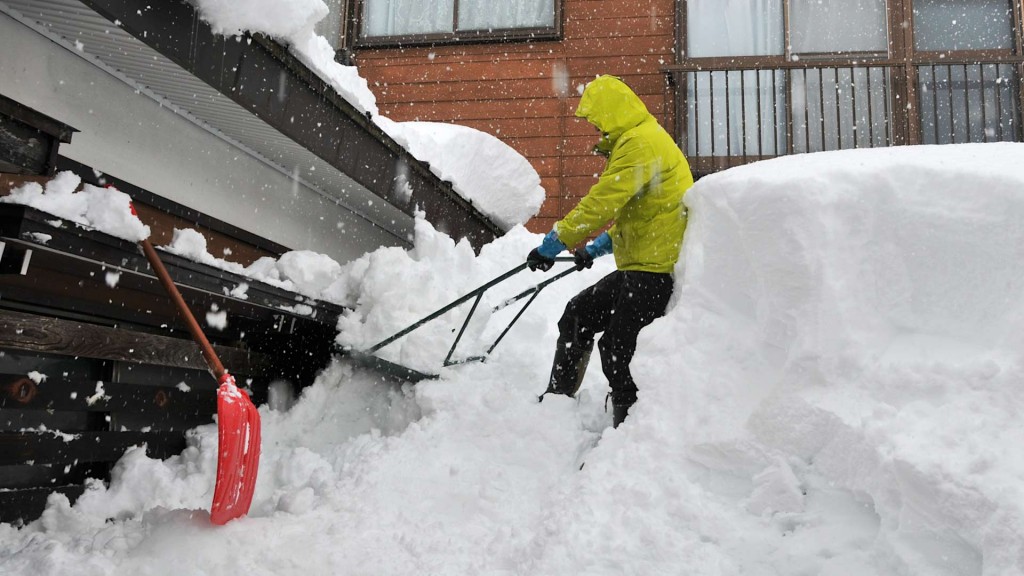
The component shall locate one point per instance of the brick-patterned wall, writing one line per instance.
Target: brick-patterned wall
(509, 90)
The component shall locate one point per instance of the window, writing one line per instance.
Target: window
(963, 25)
(757, 27)
(844, 26)
(431, 21)
(734, 28)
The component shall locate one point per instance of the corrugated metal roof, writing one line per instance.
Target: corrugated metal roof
(94, 38)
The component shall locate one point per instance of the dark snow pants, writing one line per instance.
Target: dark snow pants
(619, 305)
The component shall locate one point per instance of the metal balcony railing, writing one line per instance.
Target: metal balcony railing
(736, 112)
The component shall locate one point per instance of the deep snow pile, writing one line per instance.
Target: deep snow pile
(835, 390)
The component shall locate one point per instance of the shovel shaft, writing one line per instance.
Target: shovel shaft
(190, 320)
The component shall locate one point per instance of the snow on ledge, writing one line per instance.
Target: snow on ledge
(105, 209)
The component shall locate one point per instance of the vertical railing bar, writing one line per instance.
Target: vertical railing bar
(714, 131)
(821, 104)
(728, 119)
(807, 113)
(790, 121)
(696, 112)
(984, 103)
(853, 105)
(839, 112)
(967, 108)
(935, 104)
(871, 112)
(952, 118)
(999, 103)
(887, 82)
(1018, 69)
(775, 113)
(742, 114)
(760, 122)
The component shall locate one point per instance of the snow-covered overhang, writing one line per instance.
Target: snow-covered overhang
(253, 93)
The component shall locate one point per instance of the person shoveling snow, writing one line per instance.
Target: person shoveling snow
(641, 190)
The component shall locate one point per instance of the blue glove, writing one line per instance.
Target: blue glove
(543, 257)
(601, 245)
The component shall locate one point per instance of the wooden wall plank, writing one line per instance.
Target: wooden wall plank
(32, 333)
(28, 504)
(102, 446)
(54, 393)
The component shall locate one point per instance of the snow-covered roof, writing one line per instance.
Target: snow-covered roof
(166, 52)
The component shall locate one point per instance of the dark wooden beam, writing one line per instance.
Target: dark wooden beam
(28, 504)
(20, 392)
(29, 140)
(32, 333)
(105, 446)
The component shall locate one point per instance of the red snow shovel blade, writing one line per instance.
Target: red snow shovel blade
(238, 448)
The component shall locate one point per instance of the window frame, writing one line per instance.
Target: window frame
(503, 35)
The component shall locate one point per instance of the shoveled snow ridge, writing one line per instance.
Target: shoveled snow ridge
(834, 390)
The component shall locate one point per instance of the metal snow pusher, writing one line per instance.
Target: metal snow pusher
(367, 357)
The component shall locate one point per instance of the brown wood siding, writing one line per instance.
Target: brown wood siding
(510, 90)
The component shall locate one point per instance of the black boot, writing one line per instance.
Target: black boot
(568, 368)
(619, 413)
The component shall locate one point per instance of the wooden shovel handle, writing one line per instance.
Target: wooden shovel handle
(179, 303)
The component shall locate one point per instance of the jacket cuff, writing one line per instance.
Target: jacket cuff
(600, 246)
(551, 246)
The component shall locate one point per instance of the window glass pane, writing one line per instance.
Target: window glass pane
(962, 24)
(819, 26)
(734, 28)
(488, 15)
(401, 17)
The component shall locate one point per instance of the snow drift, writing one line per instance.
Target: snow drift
(835, 390)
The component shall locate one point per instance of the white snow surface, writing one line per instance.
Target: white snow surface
(284, 20)
(104, 209)
(510, 194)
(509, 191)
(301, 271)
(834, 390)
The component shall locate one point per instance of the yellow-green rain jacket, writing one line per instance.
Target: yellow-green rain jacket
(641, 188)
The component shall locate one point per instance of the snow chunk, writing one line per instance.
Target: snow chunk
(98, 395)
(104, 209)
(499, 181)
(216, 318)
(280, 19)
(313, 271)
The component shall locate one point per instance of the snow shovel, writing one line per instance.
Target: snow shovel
(238, 421)
(368, 358)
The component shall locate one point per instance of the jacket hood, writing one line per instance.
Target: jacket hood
(611, 106)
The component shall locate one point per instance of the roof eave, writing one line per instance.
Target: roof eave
(252, 70)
